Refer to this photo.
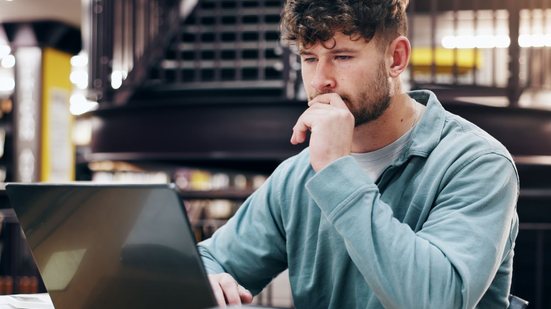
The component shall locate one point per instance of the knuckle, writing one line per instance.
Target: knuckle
(225, 276)
(214, 278)
(227, 281)
(343, 114)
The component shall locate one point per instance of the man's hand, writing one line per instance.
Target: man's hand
(331, 125)
(228, 291)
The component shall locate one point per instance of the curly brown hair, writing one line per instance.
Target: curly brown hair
(308, 22)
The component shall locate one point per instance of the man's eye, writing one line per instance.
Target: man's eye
(342, 57)
(309, 59)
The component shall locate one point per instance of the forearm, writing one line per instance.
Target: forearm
(403, 269)
(212, 266)
(444, 264)
(250, 246)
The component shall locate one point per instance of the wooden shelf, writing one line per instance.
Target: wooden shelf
(237, 135)
(225, 194)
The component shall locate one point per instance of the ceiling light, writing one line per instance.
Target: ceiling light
(79, 78)
(116, 79)
(7, 84)
(534, 40)
(479, 41)
(4, 50)
(80, 60)
(8, 62)
(80, 105)
(495, 41)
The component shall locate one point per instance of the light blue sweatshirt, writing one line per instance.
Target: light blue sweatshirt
(436, 230)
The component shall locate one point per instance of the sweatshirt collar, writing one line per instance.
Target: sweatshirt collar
(428, 132)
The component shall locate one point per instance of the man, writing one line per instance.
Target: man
(396, 203)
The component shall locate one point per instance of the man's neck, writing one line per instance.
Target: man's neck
(400, 117)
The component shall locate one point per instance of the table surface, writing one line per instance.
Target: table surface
(43, 301)
(26, 301)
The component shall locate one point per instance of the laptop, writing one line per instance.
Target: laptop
(112, 246)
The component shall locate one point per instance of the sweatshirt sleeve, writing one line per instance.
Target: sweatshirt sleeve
(451, 261)
(251, 245)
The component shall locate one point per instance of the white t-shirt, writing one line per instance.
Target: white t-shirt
(375, 162)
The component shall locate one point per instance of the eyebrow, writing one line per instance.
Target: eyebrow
(343, 51)
(331, 51)
(305, 53)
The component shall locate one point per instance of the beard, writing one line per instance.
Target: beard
(372, 101)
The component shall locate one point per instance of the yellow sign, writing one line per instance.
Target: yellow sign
(57, 151)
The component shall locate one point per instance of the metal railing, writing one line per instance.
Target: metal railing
(230, 45)
(535, 238)
(123, 39)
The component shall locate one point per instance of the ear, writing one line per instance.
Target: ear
(399, 52)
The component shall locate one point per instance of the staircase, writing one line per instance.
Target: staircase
(228, 47)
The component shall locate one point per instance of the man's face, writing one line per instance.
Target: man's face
(352, 68)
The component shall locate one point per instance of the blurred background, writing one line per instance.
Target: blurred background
(203, 94)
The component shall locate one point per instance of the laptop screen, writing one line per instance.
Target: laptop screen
(112, 246)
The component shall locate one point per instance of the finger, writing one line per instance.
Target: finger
(320, 99)
(333, 99)
(231, 292)
(304, 122)
(246, 296)
(218, 293)
(298, 137)
(300, 129)
(317, 106)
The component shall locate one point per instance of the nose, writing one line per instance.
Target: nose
(323, 79)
